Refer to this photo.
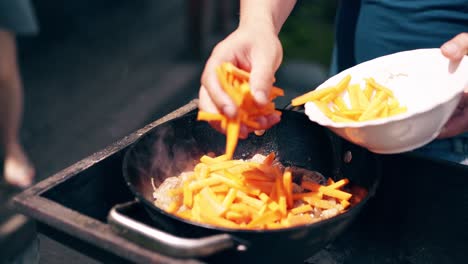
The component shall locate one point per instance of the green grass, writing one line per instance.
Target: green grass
(308, 33)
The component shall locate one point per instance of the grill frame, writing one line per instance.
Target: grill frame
(389, 229)
(92, 236)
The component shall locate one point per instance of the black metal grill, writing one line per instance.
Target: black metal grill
(419, 214)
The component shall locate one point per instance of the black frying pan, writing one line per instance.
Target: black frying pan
(166, 150)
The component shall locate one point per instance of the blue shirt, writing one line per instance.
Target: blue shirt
(366, 29)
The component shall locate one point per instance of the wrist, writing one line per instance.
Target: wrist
(267, 15)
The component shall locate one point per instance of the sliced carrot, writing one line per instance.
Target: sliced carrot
(375, 101)
(338, 184)
(311, 96)
(232, 135)
(302, 209)
(210, 202)
(300, 219)
(207, 116)
(188, 195)
(269, 159)
(231, 195)
(379, 87)
(325, 190)
(266, 218)
(298, 196)
(287, 183)
(258, 196)
(255, 203)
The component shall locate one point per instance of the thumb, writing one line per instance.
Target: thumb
(261, 79)
(456, 48)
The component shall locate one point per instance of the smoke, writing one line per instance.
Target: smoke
(171, 152)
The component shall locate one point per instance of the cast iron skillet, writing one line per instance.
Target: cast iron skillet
(165, 151)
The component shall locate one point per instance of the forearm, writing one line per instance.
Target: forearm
(267, 13)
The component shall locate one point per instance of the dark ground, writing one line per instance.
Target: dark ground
(99, 70)
(96, 72)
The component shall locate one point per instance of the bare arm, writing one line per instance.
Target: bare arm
(270, 14)
(254, 46)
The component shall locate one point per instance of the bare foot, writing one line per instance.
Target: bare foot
(17, 169)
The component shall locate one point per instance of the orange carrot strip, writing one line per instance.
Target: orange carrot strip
(173, 207)
(238, 73)
(275, 92)
(281, 195)
(222, 188)
(287, 183)
(263, 186)
(326, 191)
(236, 217)
(268, 217)
(252, 124)
(269, 159)
(379, 87)
(298, 196)
(345, 204)
(231, 195)
(303, 219)
(338, 184)
(188, 199)
(232, 136)
(343, 83)
(301, 209)
(243, 208)
(199, 184)
(368, 91)
(227, 86)
(256, 175)
(255, 203)
(323, 204)
(273, 206)
(223, 165)
(210, 202)
(207, 216)
(316, 94)
(207, 116)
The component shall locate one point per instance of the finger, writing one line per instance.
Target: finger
(456, 48)
(244, 132)
(458, 122)
(455, 126)
(210, 81)
(217, 126)
(260, 132)
(205, 102)
(273, 119)
(262, 121)
(261, 78)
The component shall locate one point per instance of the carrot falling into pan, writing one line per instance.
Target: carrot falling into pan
(235, 82)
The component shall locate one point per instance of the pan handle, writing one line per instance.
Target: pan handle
(165, 243)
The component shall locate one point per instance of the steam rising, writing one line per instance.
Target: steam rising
(167, 153)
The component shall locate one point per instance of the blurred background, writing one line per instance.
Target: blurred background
(100, 69)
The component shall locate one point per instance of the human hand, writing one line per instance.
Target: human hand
(254, 49)
(455, 49)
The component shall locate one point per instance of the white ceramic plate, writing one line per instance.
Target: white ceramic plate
(423, 80)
